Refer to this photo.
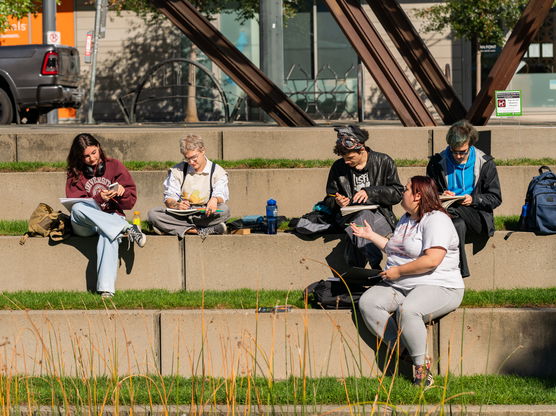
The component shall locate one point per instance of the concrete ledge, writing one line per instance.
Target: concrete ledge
(232, 343)
(499, 341)
(286, 262)
(296, 190)
(257, 261)
(79, 343)
(8, 151)
(71, 265)
(318, 142)
(510, 142)
(239, 142)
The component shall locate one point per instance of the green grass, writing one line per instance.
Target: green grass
(13, 227)
(237, 299)
(19, 227)
(247, 164)
(153, 389)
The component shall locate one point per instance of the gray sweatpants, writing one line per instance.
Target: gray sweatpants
(414, 308)
(358, 251)
(177, 225)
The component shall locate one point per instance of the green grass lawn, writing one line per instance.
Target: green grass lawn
(153, 389)
(247, 164)
(237, 299)
(19, 227)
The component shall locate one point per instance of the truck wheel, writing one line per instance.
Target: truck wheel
(6, 110)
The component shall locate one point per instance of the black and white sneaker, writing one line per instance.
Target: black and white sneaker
(423, 376)
(135, 235)
(217, 229)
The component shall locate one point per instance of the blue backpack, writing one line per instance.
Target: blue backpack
(539, 213)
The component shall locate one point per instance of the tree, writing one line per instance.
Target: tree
(17, 9)
(479, 21)
(246, 9)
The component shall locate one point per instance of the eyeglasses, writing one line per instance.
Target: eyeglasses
(459, 152)
(192, 158)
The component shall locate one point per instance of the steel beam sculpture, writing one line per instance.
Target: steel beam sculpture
(505, 66)
(418, 58)
(236, 65)
(379, 61)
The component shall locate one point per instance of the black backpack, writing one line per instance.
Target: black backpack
(539, 213)
(333, 293)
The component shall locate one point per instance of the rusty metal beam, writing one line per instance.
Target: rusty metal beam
(505, 66)
(419, 59)
(389, 76)
(236, 65)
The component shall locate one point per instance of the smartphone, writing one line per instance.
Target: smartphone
(113, 186)
(274, 309)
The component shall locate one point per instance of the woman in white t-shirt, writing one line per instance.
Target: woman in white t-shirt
(422, 279)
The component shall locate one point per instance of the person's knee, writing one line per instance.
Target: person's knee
(408, 313)
(78, 212)
(225, 214)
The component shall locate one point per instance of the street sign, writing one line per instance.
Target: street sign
(508, 103)
(54, 38)
(88, 47)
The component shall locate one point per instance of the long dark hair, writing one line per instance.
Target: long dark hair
(76, 166)
(429, 195)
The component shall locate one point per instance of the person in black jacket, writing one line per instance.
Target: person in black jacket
(462, 169)
(365, 177)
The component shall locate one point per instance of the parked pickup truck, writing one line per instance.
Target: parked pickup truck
(35, 79)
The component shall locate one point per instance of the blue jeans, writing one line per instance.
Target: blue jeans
(86, 221)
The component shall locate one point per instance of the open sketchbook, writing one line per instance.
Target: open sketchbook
(185, 212)
(448, 200)
(350, 209)
(69, 202)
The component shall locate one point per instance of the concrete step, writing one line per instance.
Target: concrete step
(296, 190)
(232, 343)
(283, 261)
(40, 143)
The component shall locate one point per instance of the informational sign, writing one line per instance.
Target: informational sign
(88, 47)
(508, 103)
(54, 38)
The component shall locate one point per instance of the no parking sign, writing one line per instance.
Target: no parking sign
(53, 38)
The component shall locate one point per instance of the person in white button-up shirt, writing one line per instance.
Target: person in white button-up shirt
(194, 184)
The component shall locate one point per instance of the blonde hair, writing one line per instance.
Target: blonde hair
(191, 142)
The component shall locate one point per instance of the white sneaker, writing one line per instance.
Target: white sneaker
(135, 235)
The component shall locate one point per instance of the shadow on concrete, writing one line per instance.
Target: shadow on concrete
(387, 362)
(87, 246)
(538, 360)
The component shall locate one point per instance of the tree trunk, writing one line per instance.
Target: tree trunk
(191, 108)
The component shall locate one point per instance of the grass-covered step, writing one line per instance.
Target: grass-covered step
(239, 299)
(243, 343)
(258, 261)
(295, 189)
(153, 394)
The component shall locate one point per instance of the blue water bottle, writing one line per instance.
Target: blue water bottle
(271, 216)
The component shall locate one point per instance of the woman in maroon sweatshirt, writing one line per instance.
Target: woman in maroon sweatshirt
(106, 180)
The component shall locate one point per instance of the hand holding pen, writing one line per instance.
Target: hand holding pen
(342, 201)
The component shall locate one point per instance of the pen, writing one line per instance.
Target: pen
(357, 225)
(332, 195)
